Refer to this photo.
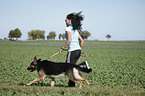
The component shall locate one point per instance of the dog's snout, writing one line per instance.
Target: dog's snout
(28, 68)
(32, 66)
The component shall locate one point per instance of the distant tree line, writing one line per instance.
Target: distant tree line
(84, 35)
(40, 34)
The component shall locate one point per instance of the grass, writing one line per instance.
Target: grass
(118, 68)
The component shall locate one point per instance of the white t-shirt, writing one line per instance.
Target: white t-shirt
(74, 45)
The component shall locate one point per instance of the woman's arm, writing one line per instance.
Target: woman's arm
(81, 41)
(69, 39)
(67, 42)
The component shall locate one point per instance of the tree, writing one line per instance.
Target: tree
(60, 36)
(108, 36)
(36, 34)
(63, 36)
(85, 34)
(15, 34)
(40, 34)
(11, 34)
(51, 35)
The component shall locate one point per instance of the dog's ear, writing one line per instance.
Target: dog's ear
(35, 59)
(38, 60)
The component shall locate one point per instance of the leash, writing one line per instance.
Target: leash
(85, 54)
(53, 55)
(57, 53)
(82, 54)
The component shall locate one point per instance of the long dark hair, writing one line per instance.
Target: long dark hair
(76, 19)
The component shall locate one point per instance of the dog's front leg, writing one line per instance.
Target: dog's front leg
(87, 81)
(78, 82)
(36, 80)
(52, 82)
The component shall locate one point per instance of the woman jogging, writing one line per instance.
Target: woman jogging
(74, 41)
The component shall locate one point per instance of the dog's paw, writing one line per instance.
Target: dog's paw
(28, 84)
(90, 84)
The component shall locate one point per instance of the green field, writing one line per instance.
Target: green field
(118, 68)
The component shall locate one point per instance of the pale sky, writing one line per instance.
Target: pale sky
(122, 19)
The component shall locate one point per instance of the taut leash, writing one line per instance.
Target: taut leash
(82, 54)
(53, 55)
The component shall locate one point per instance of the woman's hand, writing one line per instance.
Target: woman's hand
(61, 49)
(67, 42)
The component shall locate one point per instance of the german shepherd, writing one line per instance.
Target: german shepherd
(52, 70)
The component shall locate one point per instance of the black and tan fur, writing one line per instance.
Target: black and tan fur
(52, 70)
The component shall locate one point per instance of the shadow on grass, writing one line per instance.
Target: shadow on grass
(43, 85)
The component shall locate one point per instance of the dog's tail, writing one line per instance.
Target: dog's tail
(84, 67)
